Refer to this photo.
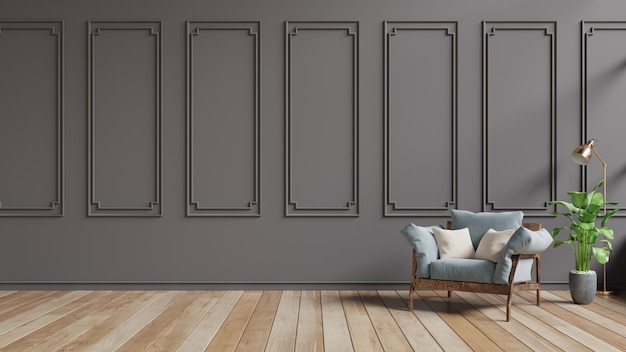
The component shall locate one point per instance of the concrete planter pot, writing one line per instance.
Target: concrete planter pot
(582, 286)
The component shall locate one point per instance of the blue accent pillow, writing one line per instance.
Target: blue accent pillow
(423, 240)
(479, 223)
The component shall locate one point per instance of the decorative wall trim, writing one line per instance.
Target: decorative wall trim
(152, 207)
(56, 207)
(194, 204)
(298, 207)
(592, 30)
(392, 207)
(490, 30)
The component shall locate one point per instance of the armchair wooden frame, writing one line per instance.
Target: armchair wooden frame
(503, 289)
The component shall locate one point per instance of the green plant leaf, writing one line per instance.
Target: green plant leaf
(592, 237)
(596, 199)
(608, 215)
(608, 245)
(601, 254)
(571, 207)
(567, 215)
(594, 209)
(587, 216)
(607, 232)
(558, 243)
(597, 186)
(579, 199)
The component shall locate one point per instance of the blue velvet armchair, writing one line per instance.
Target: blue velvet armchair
(506, 267)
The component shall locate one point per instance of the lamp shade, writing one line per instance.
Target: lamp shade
(582, 154)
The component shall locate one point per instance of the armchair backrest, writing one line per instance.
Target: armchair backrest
(529, 225)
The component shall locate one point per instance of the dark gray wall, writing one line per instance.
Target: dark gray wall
(288, 142)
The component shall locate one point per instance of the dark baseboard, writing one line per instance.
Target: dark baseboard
(204, 286)
(251, 285)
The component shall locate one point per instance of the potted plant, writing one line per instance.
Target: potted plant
(584, 236)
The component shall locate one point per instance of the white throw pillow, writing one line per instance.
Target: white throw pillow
(454, 243)
(492, 243)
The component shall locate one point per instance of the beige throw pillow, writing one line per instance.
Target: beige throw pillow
(492, 243)
(454, 243)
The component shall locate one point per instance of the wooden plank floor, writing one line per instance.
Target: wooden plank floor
(305, 321)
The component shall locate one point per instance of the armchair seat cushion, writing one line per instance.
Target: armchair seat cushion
(469, 270)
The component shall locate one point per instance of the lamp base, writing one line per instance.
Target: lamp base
(607, 293)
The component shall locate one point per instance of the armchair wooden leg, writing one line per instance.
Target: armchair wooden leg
(538, 295)
(538, 275)
(449, 294)
(413, 276)
(509, 300)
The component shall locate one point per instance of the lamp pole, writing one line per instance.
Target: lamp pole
(604, 291)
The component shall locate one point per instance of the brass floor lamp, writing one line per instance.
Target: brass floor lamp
(582, 155)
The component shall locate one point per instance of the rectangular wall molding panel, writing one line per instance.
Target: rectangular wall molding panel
(322, 118)
(603, 85)
(519, 116)
(420, 136)
(125, 118)
(31, 120)
(223, 118)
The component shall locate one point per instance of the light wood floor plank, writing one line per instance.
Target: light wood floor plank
(233, 328)
(489, 327)
(514, 328)
(592, 312)
(607, 307)
(336, 332)
(200, 337)
(167, 321)
(256, 334)
(70, 326)
(441, 332)
(390, 335)
(283, 334)
(116, 313)
(535, 322)
(14, 310)
(458, 322)
(600, 307)
(359, 323)
(179, 329)
(602, 327)
(40, 328)
(564, 325)
(310, 333)
(18, 301)
(68, 333)
(416, 334)
(36, 310)
(6, 293)
(130, 327)
(152, 331)
(619, 298)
